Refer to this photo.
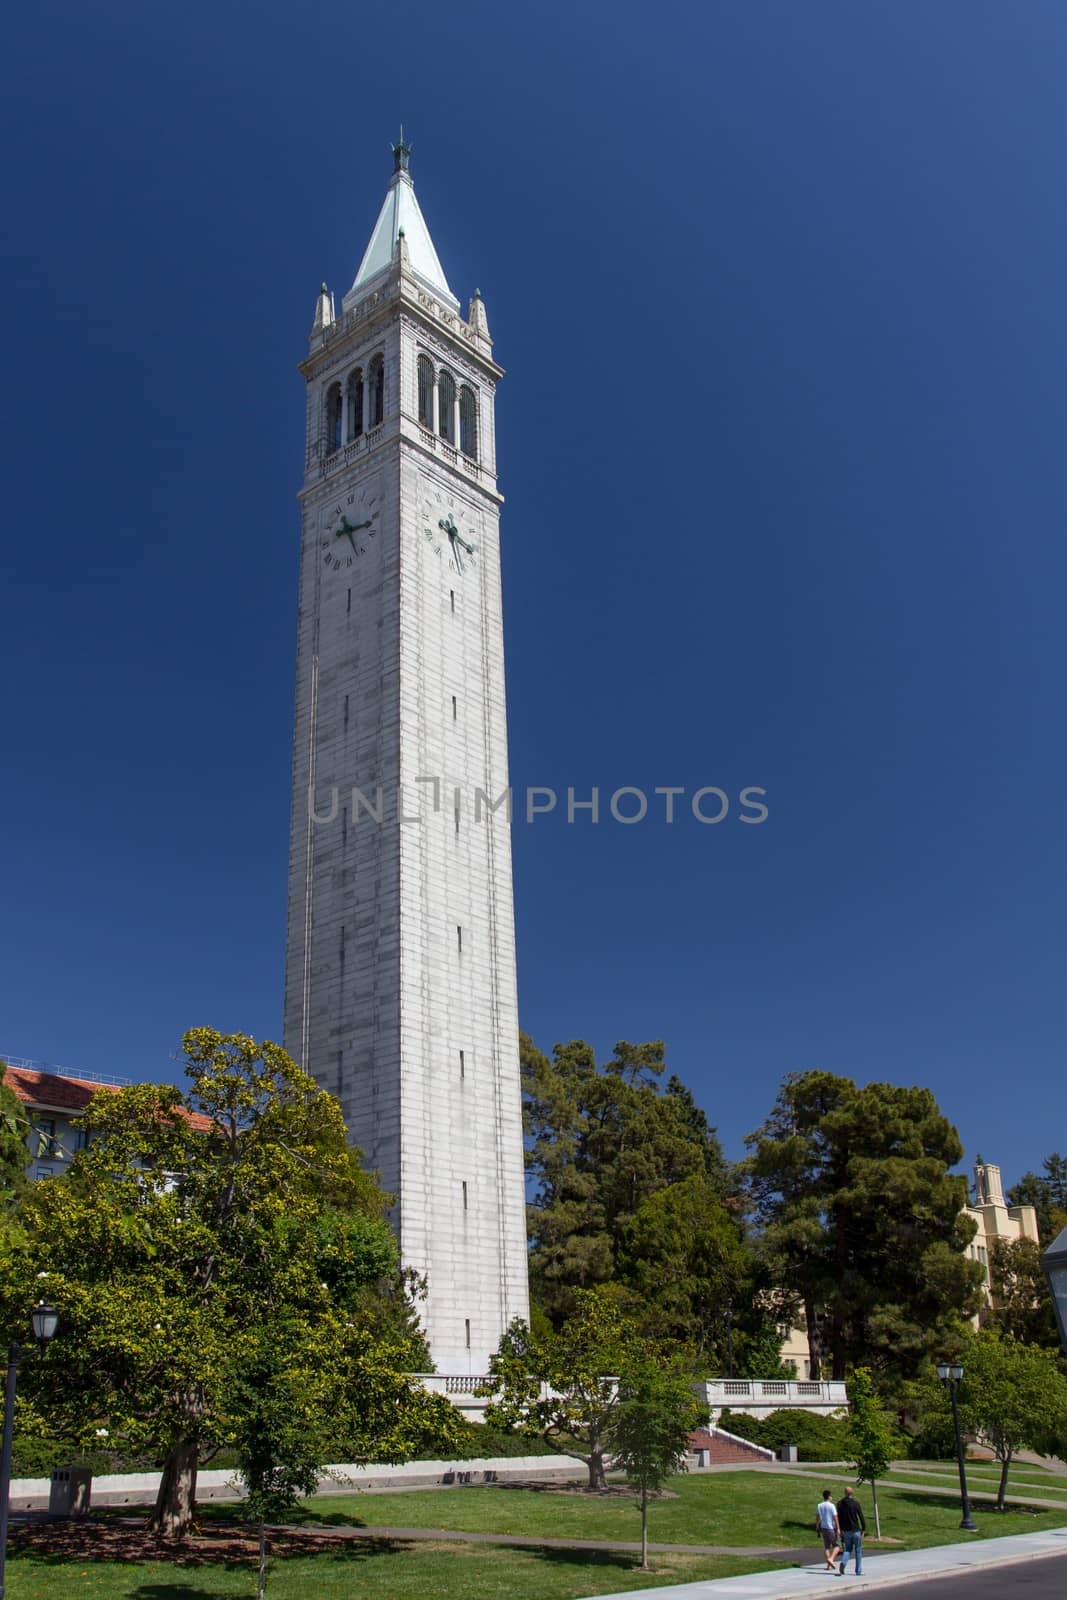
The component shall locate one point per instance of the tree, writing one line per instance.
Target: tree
(655, 1413)
(871, 1435)
(14, 1149)
(1047, 1193)
(601, 1143)
(1011, 1396)
(191, 1228)
(863, 1218)
(1021, 1305)
(563, 1386)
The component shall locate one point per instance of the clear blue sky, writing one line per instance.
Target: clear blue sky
(779, 289)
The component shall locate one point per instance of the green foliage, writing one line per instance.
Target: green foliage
(1047, 1193)
(189, 1231)
(632, 1190)
(1022, 1307)
(656, 1411)
(817, 1437)
(563, 1387)
(14, 1147)
(1013, 1397)
(873, 1439)
(864, 1220)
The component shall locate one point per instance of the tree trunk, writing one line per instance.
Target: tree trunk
(595, 1463)
(877, 1521)
(261, 1587)
(811, 1323)
(1002, 1488)
(173, 1516)
(644, 1529)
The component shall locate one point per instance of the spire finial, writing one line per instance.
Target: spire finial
(401, 153)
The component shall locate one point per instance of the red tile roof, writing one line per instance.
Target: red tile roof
(49, 1089)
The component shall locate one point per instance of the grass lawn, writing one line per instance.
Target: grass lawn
(737, 1508)
(1021, 1480)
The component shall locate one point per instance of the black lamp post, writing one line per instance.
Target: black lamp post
(44, 1319)
(950, 1373)
(1054, 1265)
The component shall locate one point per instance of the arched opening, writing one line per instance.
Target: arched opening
(426, 392)
(468, 423)
(334, 412)
(446, 406)
(355, 403)
(377, 392)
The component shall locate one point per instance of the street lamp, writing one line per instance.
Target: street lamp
(950, 1373)
(1054, 1265)
(43, 1319)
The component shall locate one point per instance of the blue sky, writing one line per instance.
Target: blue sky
(778, 290)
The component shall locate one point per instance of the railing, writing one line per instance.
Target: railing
(774, 1392)
(49, 1067)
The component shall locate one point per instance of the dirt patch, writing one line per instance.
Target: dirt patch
(114, 1540)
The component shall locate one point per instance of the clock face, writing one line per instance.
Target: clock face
(349, 526)
(449, 530)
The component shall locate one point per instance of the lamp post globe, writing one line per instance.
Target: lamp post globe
(1054, 1266)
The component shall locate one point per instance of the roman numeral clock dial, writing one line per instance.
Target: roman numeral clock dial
(450, 532)
(349, 526)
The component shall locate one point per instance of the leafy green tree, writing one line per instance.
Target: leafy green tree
(1013, 1397)
(563, 1387)
(862, 1217)
(655, 1413)
(1022, 1308)
(1047, 1193)
(601, 1143)
(14, 1146)
(871, 1435)
(190, 1229)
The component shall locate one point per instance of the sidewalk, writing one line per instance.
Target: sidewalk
(879, 1571)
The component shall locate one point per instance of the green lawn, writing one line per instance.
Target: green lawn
(737, 1508)
(1021, 1480)
(732, 1508)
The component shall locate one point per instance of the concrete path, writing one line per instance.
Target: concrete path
(879, 1572)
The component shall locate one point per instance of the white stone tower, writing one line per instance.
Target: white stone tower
(400, 994)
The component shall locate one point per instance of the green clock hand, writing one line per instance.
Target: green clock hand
(347, 529)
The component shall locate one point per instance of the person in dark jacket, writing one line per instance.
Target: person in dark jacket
(853, 1525)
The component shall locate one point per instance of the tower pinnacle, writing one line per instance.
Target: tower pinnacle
(401, 153)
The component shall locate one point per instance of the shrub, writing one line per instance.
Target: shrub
(816, 1436)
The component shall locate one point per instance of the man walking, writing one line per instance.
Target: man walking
(826, 1522)
(853, 1525)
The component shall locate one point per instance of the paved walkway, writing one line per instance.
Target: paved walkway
(879, 1572)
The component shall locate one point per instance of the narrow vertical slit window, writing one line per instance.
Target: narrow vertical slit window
(464, 1194)
(462, 1065)
(334, 416)
(459, 939)
(349, 606)
(468, 423)
(467, 1326)
(346, 697)
(454, 709)
(355, 403)
(446, 405)
(426, 392)
(377, 391)
(452, 600)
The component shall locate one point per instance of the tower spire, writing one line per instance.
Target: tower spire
(401, 153)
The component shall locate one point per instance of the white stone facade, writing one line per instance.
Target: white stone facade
(400, 974)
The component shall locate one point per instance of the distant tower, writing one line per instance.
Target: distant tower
(400, 995)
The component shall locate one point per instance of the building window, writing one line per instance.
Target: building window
(455, 709)
(426, 392)
(47, 1145)
(459, 939)
(355, 403)
(467, 1326)
(446, 406)
(334, 412)
(468, 423)
(377, 391)
(464, 1194)
(452, 600)
(462, 1065)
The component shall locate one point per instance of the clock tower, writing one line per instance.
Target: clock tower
(400, 993)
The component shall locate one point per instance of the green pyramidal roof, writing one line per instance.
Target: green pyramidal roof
(400, 213)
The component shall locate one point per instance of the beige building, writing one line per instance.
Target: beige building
(994, 1219)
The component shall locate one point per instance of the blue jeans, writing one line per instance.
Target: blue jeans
(853, 1546)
